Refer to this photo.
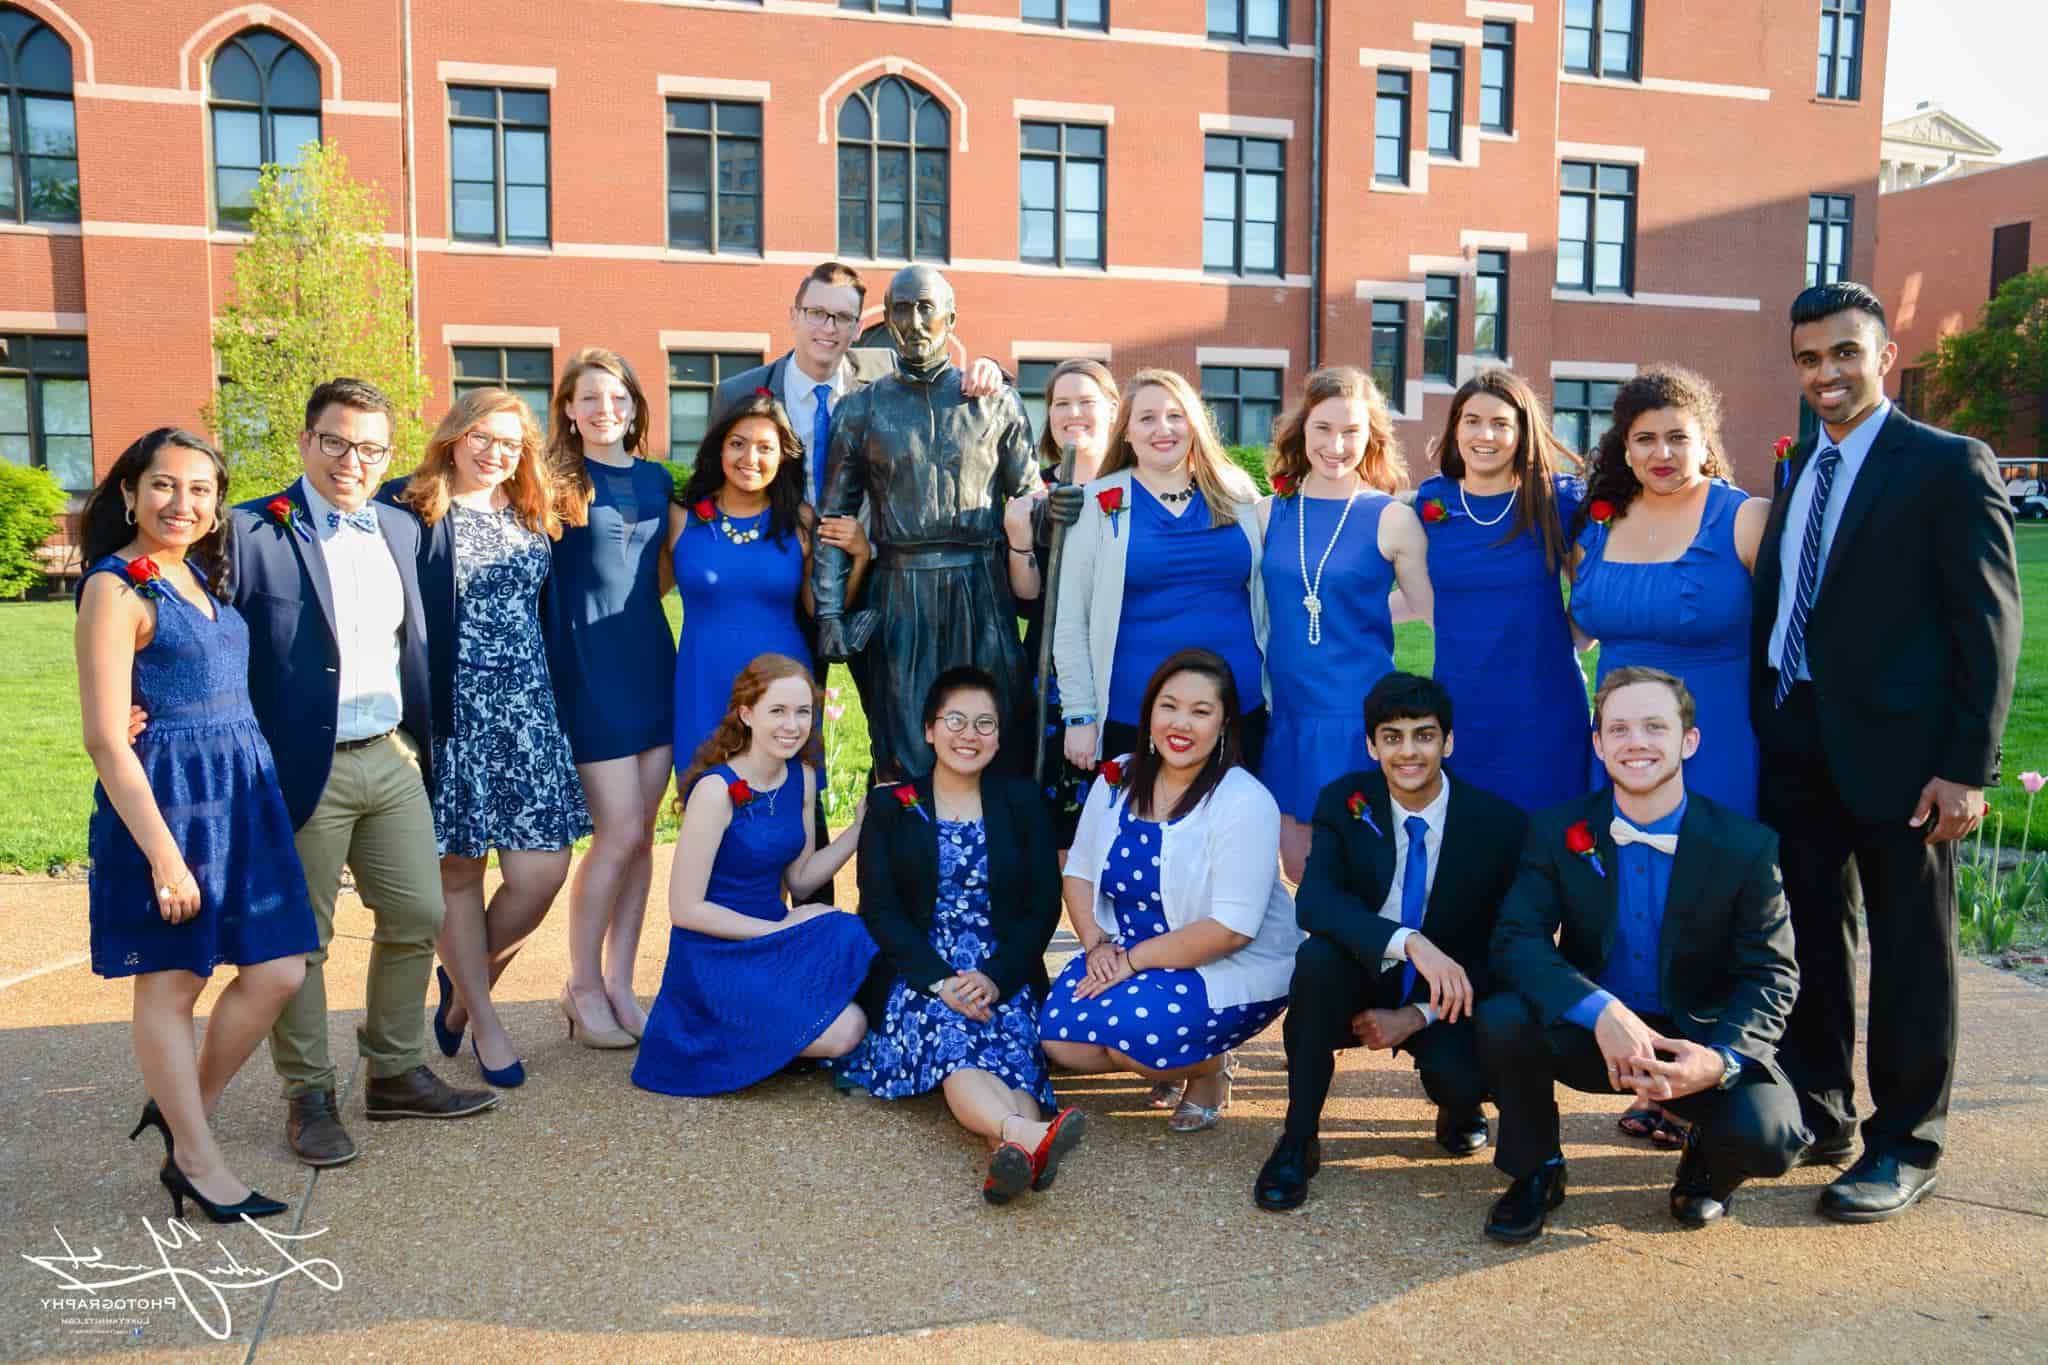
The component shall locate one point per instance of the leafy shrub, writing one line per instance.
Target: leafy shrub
(1252, 460)
(678, 474)
(30, 504)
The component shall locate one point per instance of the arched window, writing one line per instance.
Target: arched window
(265, 106)
(38, 134)
(893, 177)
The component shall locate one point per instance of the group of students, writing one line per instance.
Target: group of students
(407, 678)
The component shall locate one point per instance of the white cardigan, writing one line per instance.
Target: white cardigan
(1091, 604)
(1222, 862)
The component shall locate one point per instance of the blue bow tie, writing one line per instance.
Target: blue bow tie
(363, 520)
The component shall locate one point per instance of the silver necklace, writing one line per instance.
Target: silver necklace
(1513, 493)
(1314, 599)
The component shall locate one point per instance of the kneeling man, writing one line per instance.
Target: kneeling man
(1406, 872)
(1645, 947)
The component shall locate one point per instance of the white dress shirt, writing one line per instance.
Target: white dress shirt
(369, 613)
(1432, 849)
(1855, 448)
(802, 404)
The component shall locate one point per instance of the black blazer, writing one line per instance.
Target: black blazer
(862, 365)
(1724, 960)
(1351, 869)
(1915, 631)
(899, 882)
(282, 589)
(436, 566)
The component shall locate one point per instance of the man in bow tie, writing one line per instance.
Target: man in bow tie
(1645, 947)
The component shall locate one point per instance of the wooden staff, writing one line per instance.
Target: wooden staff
(1049, 598)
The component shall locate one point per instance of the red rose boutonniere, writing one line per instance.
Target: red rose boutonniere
(1112, 773)
(1434, 511)
(1600, 511)
(1283, 485)
(286, 513)
(906, 797)
(1579, 839)
(1111, 501)
(1782, 447)
(1781, 453)
(1361, 811)
(742, 795)
(704, 510)
(147, 579)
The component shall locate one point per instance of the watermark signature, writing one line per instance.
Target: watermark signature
(88, 1282)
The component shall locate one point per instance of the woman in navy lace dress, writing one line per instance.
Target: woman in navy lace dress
(503, 776)
(192, 857)
(959, 883)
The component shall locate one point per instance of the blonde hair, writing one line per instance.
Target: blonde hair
(1222, 482)
(731, 736)
(531, 489)
(574, 489)
(1384, 467)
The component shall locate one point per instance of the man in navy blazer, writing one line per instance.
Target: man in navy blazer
(339, 680)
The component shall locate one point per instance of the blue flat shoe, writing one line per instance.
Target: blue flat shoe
(449, 1040)
(509, 1078)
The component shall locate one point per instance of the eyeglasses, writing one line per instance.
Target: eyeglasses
(819, 317)
(954, 721)
(511, 447)
(339, 448)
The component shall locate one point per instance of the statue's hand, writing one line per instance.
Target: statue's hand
(832, 640)
(1063, 503)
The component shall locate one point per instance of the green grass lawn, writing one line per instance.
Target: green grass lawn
(46, 781)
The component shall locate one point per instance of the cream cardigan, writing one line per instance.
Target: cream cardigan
(1092, 598)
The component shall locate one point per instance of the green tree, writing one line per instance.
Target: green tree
(1976, 375)
(30, 503)
(317, 294)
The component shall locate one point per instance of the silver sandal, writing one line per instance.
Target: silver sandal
(1166, 1094)
(1195, 1118)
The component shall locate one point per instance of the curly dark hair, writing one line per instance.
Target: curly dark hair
(785, 491)
(104, 527)
(1608, 476)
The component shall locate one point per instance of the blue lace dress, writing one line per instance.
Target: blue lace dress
(920, 1040)
(504, 779)
(731, 1012)
(216, 786)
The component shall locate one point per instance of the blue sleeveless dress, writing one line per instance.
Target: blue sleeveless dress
(1520, 726)
(731, 1012)
(1318, 727)
(739, 602)
(1689, 617)
(212, 775)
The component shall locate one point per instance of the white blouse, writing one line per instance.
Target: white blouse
(1222, 862)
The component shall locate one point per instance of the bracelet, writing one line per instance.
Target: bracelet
(1015, 551)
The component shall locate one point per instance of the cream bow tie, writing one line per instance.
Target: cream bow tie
(1624, 833)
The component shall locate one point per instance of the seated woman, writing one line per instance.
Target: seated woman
(959, 883)
(751, 984)
(1173, 887)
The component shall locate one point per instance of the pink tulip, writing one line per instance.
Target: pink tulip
(834, 712)
(2033, 782)
(831, 694)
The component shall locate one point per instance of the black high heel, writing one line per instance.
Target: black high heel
(153, 1117)
(257, 1205)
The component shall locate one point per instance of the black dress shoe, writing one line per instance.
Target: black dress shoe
(1697, 1197)
(1461, 1134)
(1283, 1180)
(1877, 1187)
(1518, 1216)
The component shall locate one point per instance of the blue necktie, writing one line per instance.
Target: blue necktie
(1793, 656)
(821, 436)
(363, 519)
(1414, 888)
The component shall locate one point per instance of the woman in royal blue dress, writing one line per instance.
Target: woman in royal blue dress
(1173, 888)
(1497, 520)
(1165, 556)
(959, 885)
(192, 862)
(1336, 543)
(751, 984)
(613, 660)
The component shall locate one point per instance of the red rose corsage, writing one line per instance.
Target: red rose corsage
(1283, 485)
(1781, 455)
(1434, 511)
(1578, 839)
(1112, 773)
(1781, 448)
(764, 392)
(1360, 810)
(742, 795)
(1600, 511)
(704, 510)
(1111, 501)
(147, 579)
(286, 513)
(906, 797)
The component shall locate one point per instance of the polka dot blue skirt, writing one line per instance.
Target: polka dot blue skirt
(1161, 1017)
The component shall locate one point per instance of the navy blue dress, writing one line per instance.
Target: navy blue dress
(1504, 649)
(1160, 1018)
(739, 602)
(1689, 617)
(211, 773)
(1318, 726)
(731, 1012)
(610, 648)
(920, 1040)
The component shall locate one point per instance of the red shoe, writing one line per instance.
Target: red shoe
(1062, 1135)
(1010, 1169)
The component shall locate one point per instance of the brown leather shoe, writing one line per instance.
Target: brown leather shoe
(420, 1094)
(314, 1130)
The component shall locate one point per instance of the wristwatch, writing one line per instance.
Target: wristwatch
(938, 986)
(1079, 718)
(1731, 1067)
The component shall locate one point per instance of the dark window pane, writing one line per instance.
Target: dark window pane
(689, 163)
(689, 114)
(1259, 383)
(739, 222)
(1577, 175)
(233, 76)
(1262, 153)
(1041, 137)
(525, 106)
(853, 173)
(235, 193)
(476, 362)
(1084, 141)
(931, 232)
(472, 101)
(853, 118)
(739, 118)
(294, 82)
(1219, 151)
(892, 112)
(931, 177)
(931, 125)
(689, 220)
(739, 166)
(889, 230)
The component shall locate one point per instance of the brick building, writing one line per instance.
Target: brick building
(1234, 188)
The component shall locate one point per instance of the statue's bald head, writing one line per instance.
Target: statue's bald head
(921, 313)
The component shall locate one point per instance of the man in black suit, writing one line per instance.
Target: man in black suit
(1399, 852)
(1645, 946)
(1885, 637)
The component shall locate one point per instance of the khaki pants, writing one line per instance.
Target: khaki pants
(375, 816)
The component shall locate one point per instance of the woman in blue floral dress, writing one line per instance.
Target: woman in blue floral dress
(959, 884)
(504, 778)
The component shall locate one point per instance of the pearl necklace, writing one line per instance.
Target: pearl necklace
(1313, 600)
(1470, 516)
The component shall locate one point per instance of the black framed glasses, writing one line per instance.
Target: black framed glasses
(818, 317)
(954, 721)
(339, 448)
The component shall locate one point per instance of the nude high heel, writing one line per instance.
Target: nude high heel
(609, 1039)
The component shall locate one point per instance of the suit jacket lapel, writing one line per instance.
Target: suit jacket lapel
(1449, 854)
(1689, 869)
(313, 556)
(1379, 848)
(925, 845)
(1767, 554)
(995, 825)
(1594, 893)
(1870, 481)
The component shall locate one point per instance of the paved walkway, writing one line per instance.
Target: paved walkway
(587, 1220)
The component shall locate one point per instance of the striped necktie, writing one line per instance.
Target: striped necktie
(1793, 657)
